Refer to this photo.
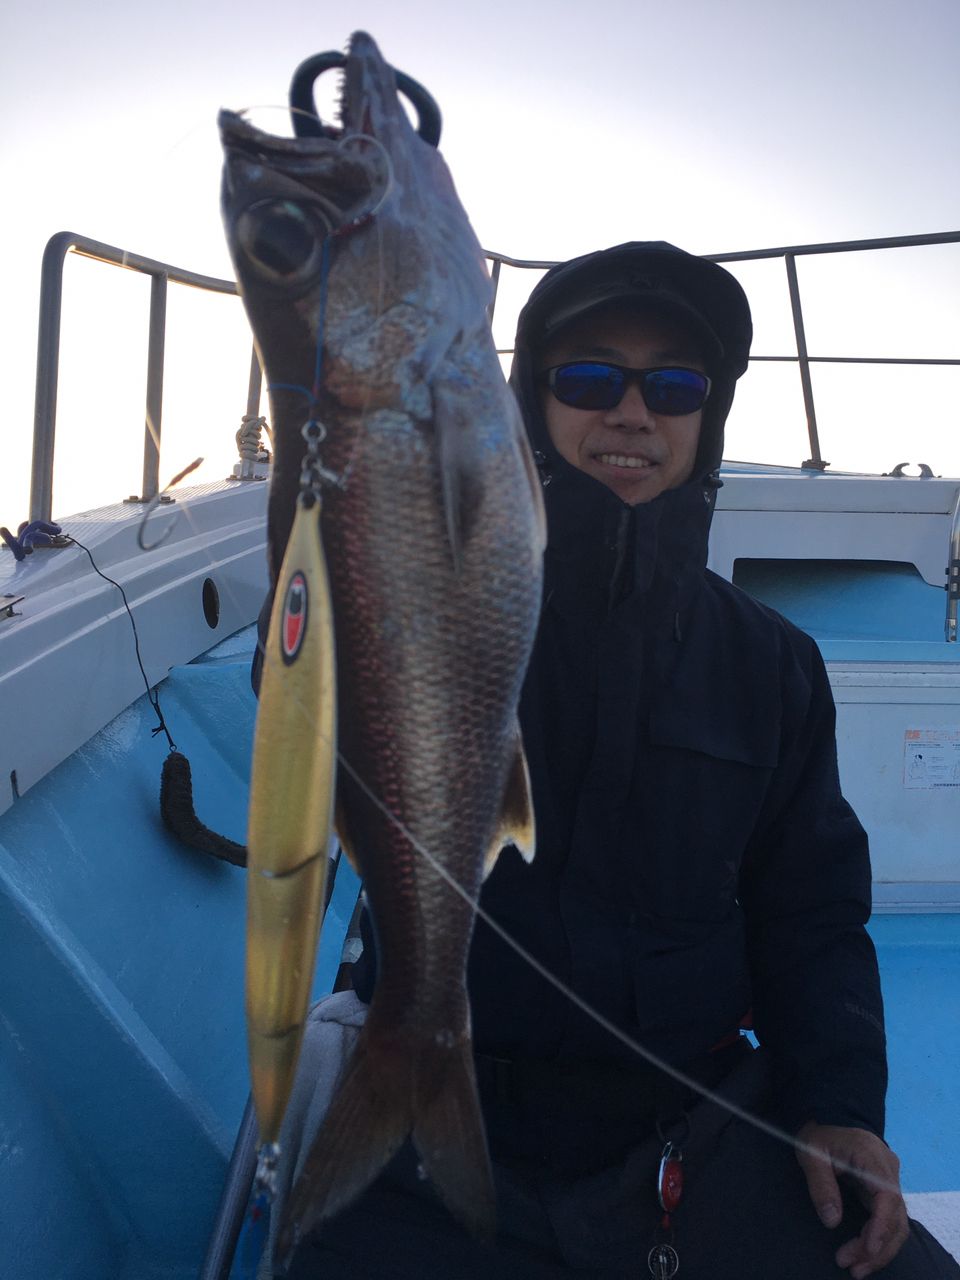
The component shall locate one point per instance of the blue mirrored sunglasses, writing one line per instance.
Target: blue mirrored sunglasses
(594, 384)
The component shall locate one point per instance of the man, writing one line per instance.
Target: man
(697, 867)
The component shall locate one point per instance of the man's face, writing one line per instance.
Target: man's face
(633, 451)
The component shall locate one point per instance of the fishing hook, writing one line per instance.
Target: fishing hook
(155, 502)
(306, 119)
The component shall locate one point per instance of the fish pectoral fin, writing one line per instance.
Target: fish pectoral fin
(533, 476)
(459, 459)
(450, 481)
(342, 828)
(516, 825)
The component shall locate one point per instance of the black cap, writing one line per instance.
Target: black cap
(656, 275)
(698, 293)
(659, 301)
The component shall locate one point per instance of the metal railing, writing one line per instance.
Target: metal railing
(48, 347)
(48, 356)
(789, 254)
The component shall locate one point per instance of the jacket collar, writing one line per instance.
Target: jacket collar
(601, 552)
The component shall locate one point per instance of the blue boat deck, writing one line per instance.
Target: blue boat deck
(122, 1041)
(124, 1053)
(920, 970)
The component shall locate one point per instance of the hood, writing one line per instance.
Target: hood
(698, 293)
(593, 535)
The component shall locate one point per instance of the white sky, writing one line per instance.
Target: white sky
(567, 127)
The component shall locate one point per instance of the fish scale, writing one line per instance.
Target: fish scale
(433, 539)
(449, 687)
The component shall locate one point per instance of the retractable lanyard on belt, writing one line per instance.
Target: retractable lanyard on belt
(663, 1261)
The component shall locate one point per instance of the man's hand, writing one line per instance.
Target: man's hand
(848, 1154)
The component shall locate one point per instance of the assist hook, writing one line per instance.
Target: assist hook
(307, 122)
(155, 502)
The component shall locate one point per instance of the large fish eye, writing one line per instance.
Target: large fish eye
(280, 239)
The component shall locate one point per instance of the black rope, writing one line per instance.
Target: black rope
(180, 816)
(176, 784)
(152, 696)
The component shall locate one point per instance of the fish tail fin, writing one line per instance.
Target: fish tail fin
(369, 1119)
(450, 1138)
(395, 1086)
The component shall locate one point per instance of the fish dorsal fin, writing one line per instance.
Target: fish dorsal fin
(516, 824)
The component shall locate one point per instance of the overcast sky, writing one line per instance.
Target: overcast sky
(566, 126)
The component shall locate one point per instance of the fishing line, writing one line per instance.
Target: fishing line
(764, 1126)
(368, 216)
(697, 1087)
(155, 502)
(771, 1130)
(177, 806)
(203, 126)
(648, 1055)
(387, 164)
(311, 394)
(732, 1108)
(286, 110)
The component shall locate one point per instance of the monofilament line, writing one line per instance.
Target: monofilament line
(732, 1108)
(764, 1126)
(771, 1130)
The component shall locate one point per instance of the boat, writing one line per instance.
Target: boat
(126, 1145)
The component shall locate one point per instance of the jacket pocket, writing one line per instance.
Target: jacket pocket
(698, 795)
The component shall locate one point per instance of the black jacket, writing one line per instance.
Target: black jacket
(695, 858)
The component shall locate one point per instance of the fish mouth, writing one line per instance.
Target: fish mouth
(331, 177)
(315, 181)
(345, 168)
(367, 102)
(240, 136)
(284, 198)
(368, 94)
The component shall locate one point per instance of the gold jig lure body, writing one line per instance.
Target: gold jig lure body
(291, 802)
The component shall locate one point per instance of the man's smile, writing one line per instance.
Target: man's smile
(633, 461)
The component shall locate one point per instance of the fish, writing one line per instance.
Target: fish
(368, 294)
